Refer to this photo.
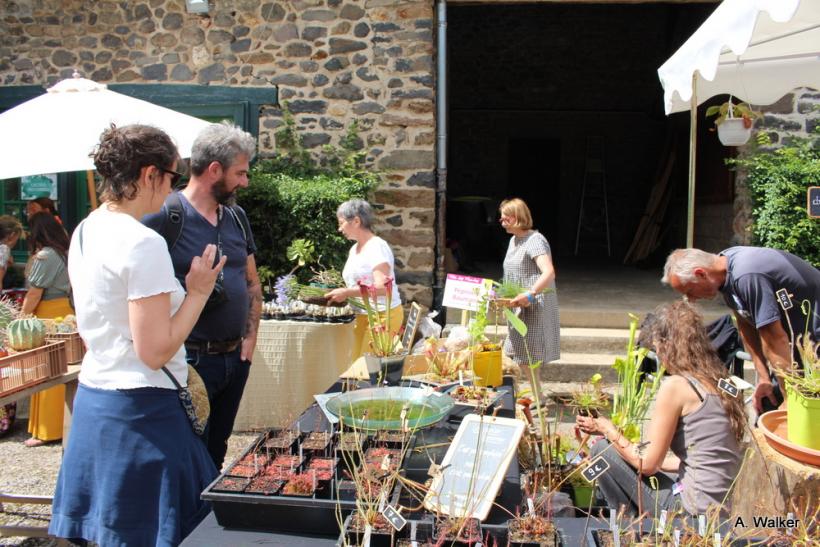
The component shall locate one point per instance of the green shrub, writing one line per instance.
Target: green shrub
(778, 181)
(295, 195)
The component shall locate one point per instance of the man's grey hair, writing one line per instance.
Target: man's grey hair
(682, 263)
(353, 208)
(221, 142)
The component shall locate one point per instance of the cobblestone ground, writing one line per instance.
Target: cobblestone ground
(33, 471)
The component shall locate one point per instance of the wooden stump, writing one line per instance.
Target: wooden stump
(773, 485)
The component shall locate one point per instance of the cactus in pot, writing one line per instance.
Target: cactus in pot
(25, 334)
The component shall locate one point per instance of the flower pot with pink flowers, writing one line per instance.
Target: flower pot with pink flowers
(385, 360)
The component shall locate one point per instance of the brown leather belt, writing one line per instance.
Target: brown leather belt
(212, 348)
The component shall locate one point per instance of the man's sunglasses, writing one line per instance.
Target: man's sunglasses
(174, 175)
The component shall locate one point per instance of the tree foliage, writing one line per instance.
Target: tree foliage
(295, 194)
(778, 181)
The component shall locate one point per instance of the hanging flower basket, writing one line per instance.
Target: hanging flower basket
(733, 132)
(734, 122)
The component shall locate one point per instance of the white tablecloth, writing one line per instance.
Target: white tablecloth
(293, 361)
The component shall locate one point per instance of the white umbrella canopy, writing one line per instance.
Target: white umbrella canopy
(757, 50)
(57, 131)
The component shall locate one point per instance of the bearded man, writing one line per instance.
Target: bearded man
(221, 344)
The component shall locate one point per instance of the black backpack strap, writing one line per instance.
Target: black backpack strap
(174, 220)
(241, 220)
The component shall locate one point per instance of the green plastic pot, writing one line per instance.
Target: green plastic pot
(803, 415)
(582, 496)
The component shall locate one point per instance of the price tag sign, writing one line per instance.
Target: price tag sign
(785, 299)
(813, 197)
(728, 387)
(394, 517)
(598, 467)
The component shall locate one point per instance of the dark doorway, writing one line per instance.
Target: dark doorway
(534, 175)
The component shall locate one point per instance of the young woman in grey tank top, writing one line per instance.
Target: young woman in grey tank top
(700, 423)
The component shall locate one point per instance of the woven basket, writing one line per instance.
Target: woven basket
(27, 368)
(74, 345)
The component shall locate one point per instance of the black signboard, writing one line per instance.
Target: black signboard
(411, 326)
(473, 468)
(814, 201)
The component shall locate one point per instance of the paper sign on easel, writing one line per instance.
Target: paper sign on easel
(464, 292)
(474, 466)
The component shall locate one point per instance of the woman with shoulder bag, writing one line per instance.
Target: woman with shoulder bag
(133, 468)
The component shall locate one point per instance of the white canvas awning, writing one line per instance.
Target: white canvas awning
(757, 50)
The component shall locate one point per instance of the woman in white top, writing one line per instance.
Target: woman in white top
(133, 468)
(371, 262)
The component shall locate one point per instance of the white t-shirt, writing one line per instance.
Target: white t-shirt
(360, 266)
(120, 260)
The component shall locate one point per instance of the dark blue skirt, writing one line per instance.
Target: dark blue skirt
(133, 470)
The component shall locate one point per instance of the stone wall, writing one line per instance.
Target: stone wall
(333, 61)
(796, 114)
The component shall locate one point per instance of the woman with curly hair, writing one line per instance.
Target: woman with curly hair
(699, 422)
(133, 466)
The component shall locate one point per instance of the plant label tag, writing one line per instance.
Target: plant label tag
(382, 501)
(728, 387)
(702, 525)
(613, 524)
(461, 377)
(662, 521)
(717, 539)
(368, 530)
(394, 517)
(598, 467)
(785, 299)
(385, 466)
(530, 506)
(677, 537)
(413, 531)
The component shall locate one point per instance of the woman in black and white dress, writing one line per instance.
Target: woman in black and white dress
(529, 264)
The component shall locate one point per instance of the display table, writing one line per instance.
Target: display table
(293, 361)
(69, 378)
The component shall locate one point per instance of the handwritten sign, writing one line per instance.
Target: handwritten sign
(473, 468)
(464, 292)
(411, 326)
(784, 298)
(813, 198)
(728, 387)
(394, 518)
(595, 469)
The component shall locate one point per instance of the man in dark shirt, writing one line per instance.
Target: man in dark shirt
(774, 296)
(221, 344)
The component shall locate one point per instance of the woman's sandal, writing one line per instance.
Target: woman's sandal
(34, 441)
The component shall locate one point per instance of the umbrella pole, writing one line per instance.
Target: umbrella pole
(92, 191)
(693, 138)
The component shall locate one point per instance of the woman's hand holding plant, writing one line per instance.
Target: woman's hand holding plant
(338, 295)
(521, 301)
(595, 426)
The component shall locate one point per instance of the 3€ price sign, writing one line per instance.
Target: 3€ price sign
(595, 469)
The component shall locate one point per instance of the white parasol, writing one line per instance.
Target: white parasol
(57, 131)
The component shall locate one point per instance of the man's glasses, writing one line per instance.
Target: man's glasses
(174, 175)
